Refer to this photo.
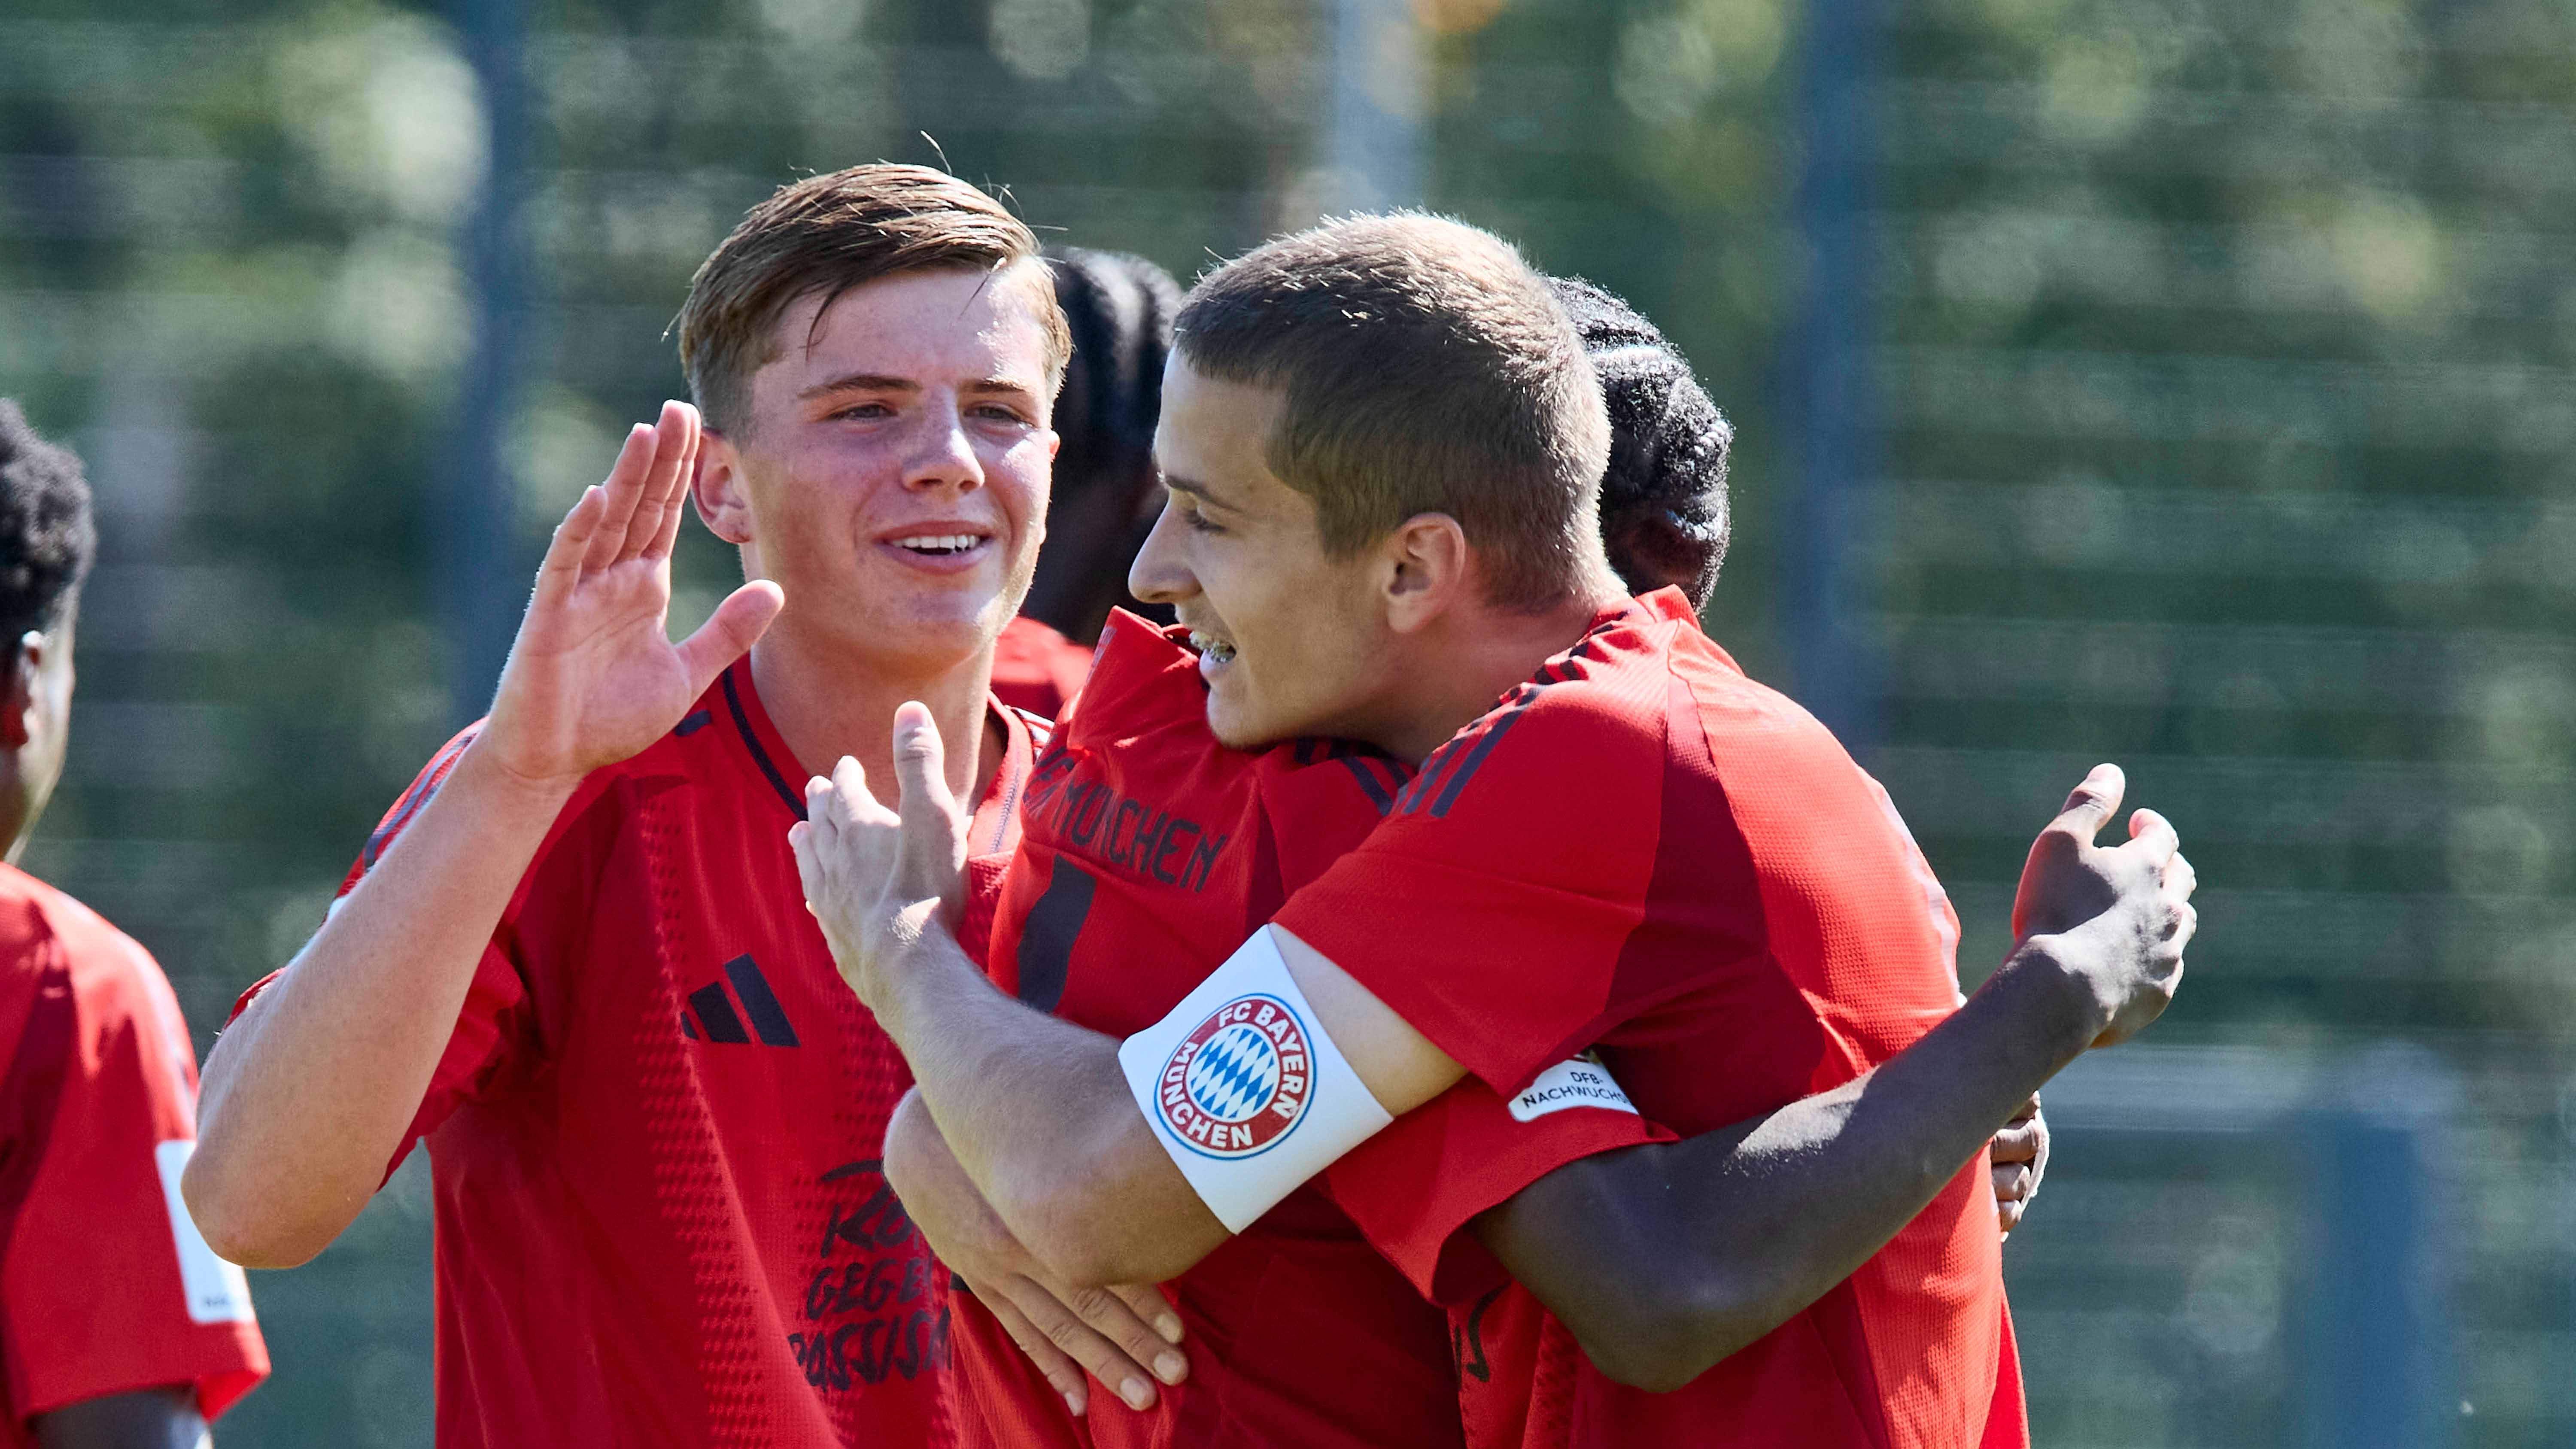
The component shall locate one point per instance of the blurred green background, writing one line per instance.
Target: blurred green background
(2175, 382)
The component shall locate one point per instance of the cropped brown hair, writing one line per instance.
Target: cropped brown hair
(1428, 369)
(823, 236)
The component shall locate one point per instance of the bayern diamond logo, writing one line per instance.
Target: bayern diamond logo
(1240, 1081)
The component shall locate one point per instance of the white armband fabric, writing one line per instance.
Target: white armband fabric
(1244, 1089)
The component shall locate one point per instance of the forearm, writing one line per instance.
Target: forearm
(307, 1095)
(1036, 1111)
(1694, 1249)
(158, 1418)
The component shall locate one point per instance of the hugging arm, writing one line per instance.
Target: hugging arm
(1040, 1118)
(1664, 1259)
(1126, 1337)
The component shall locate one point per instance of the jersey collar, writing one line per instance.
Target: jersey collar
(996, 826)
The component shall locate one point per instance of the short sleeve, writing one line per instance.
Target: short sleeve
(106, 1287)
(1414, 1187)
(491, 1018)
(1493, 906)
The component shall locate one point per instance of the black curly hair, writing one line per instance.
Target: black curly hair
(1663, 501)
(47, 537)
(1120, 309)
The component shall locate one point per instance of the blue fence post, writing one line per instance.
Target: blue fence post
(480, 592)
(2381, 1370)
(1828, 372)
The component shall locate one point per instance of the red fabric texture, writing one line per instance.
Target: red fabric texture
(99, 1073)
(656, 1134)
(1150, 852)
(1643, 850)
(1036, 668)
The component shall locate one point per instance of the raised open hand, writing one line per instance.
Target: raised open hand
(593, 676)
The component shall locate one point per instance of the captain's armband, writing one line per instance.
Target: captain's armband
(1244, 1089)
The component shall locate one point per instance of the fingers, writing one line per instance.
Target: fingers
(1140, 1335)
(2017, 1143)
(624, 486)
(684, 479)
(2153, 832)
(2089, 806)
(809, 870)
(1060, 1370)
(851, 800)
(2180, 878)
(562, 566)
(1148, 1303)
(1106, 1362)
(729, 632)
(657, 513)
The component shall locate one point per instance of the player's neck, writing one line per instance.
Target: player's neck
(825, 704)
(1472, 659)
(18, 808)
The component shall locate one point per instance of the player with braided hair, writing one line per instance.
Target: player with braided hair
(119, 1328)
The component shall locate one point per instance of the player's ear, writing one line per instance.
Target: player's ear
(1425, 568)
(18, 689)
(723, 505)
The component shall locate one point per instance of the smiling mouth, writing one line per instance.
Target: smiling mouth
(939, 545)
(1217, 650)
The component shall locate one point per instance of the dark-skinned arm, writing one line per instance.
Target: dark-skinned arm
(162, 1418)
(1662, 1260)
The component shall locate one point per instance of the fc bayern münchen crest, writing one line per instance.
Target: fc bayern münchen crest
(1240, 1081)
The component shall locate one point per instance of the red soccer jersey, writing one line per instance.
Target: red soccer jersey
(105, 1285)
(656, 1135)
(1037, 669)
(1642, 849)
(1151, 852)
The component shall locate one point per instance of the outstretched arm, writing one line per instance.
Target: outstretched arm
(1664, 1259)
(308, 1094)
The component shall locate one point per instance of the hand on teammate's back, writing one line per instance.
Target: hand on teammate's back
(1110, 1333)
(2115, 918)
(2018, 1161)
(593, 677)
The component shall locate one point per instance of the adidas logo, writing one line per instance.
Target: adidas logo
(710, 1014)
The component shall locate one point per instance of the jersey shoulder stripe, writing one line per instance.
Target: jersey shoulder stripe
(422, 790)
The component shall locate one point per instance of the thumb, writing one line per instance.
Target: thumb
(2090, 805)
(921, 768)
(734, 627)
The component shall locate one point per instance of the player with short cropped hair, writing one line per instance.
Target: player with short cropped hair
(572, 959)
(119, 1328)
(1377, 452)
